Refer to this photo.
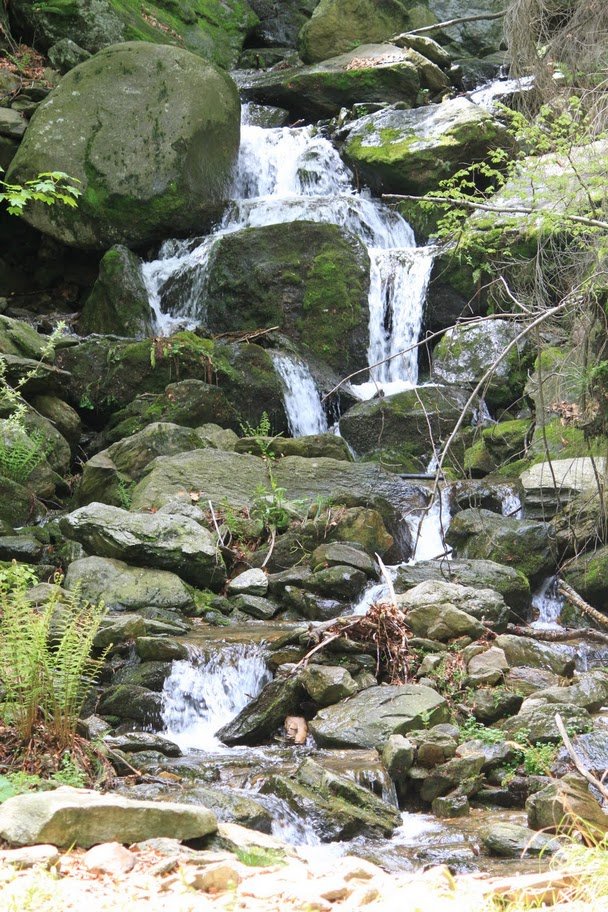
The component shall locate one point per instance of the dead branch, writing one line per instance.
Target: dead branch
(577, 761)
(572, 596)
(500, 210)
(448, 23)
(246, 336)
(558, 636)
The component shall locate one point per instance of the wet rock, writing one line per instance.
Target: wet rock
(151, 675)
(118, 303)
(566, 804)
(256, 606)
(588, 690)
(328, 684)
(509, 840)
(451, 806)
(61, 415)
(69, 816)
(309, 446)
(478, 574)
(344, 553)
(125, 588)
(258, 721)
(587, 574)
(119, 629)
(495, 755)
(160, 649)
(372, 716)
(128, 701)
(461, 772)
(150, 540)
(525, 680)
(433, 747)
(523, 544)
(398, 756)
(401, 151)
(134, 742)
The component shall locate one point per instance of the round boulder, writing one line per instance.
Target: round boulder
(150, 131)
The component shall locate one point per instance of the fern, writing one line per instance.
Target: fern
(46, 668)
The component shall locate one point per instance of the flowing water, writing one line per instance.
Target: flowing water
(303, 406)
(286, 174)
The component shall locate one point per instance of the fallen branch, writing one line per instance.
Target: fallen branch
(572, 596)
(577, 761)
(448, 23)
(245, 336)
(558, 636)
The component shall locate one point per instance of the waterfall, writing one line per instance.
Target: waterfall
(205, 692)
(288, 174)
(428, 529)
(303, 405)
(549, 604)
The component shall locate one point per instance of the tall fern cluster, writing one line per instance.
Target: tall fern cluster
(46, 667)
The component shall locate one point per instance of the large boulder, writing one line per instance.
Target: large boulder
(587, 575)
(372, 716)
(69, 816)
(370, 73)
(337, 26)
(124, 588)
(156, 161)
(479, 574)
(159, 540)
(311, 280)
(465, 353)
(567, 804)
(280, 23)
(521, 543)
(401, 430)
(259, 720)
(215, 29)
(400, 151)
(443, 611)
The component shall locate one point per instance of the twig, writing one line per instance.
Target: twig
(273, 538)
(572, 596)
(217, 528)
(577, 761)
(558, 636)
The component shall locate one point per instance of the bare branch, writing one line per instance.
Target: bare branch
(577, 761)
(448, 23)
(572, 596)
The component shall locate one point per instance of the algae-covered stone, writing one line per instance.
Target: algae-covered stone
(311, 280)
(68, 816)
(440, 610)
(510, 840)
(538, 722)
(412, 151)
(327, 684)
(337, 26)
(400, 430)
(464, 354)
(124, 588)
(158, 540)
(128, 701)
(373, 715)
(587, 574)
(259, 719)
(564, 805)
(118, 303)
(309, 446)
(529, 652)
(369, 74)
(156, 162)
(520, 543)
(62, 416)
(280, 23)
(65, 54)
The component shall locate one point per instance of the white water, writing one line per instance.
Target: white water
(203, 694)
(548, 604)
(303, 406)
(429, 528)
(286, 174)
(512, 505)
(491, 92)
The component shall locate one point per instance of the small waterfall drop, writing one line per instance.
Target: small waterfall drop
(303, 406)
(428, 529)
(512, 505)
(204, 693)
(289, 174)
(548, 603)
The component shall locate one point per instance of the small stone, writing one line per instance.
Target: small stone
(492, 659)
(451, 806)
(215, 878)
(109, 858)
(398, 756)
(31, 856)
(327, 684)
(251, 582)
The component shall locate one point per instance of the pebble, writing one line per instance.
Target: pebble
(109, 858)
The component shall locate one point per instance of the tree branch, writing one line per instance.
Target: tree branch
(480, 17)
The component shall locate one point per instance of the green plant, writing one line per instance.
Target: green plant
(69, 773)
(46, 668)
(21, 452)
(538, 759)
(48, 187)
(471, 730)
(125, 492)
(259, 857)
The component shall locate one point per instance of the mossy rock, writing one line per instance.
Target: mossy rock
(371, 73)
(338, 26)
(156, 162)
(394, 430)
(118, 303)
(280, 23)
(410, 152)
(214, 29)
(587, 574)
(311, 280)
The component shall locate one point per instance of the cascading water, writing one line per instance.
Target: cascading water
(204, 693)
(549, 604)
(288, 174)
(303, 405)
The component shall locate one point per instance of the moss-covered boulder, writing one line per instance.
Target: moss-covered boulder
(588, 573)
(154, 162)
(125, 588)
(311, 280)
(400, 151)
(118, 303)
(337, 26)
(465, 353)
(280, 23)
(394, 430)
(524, 544)
(215, 29)
(63, 418)
(19, 338)
(370, 73)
